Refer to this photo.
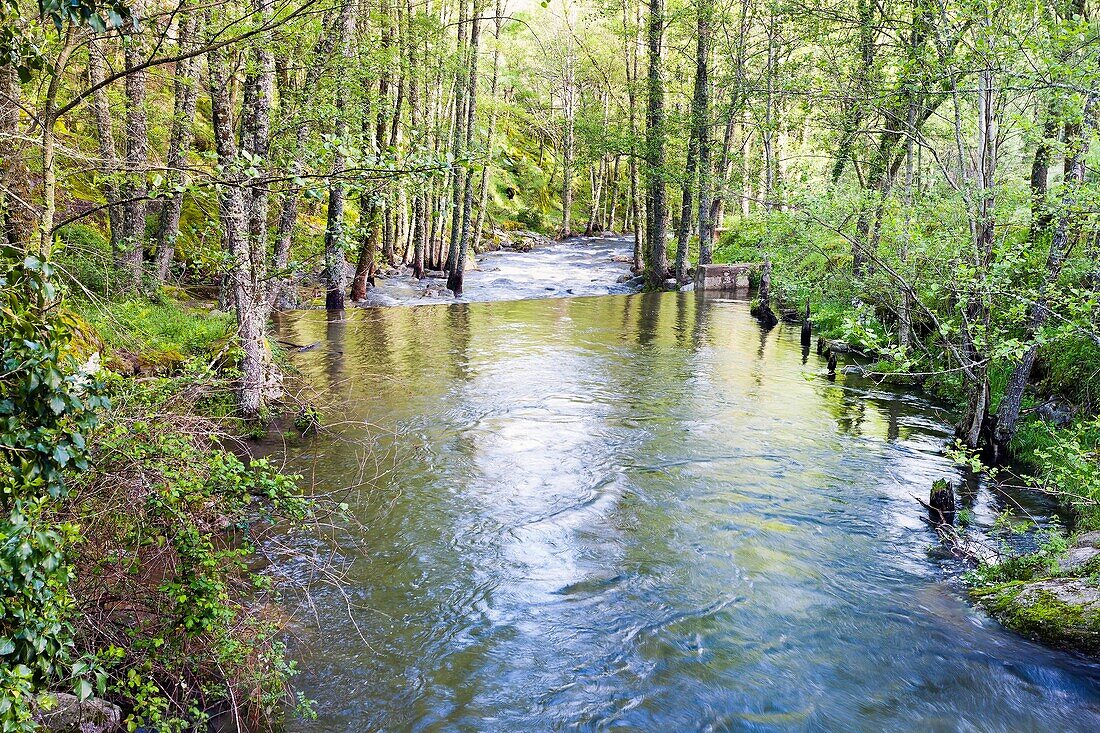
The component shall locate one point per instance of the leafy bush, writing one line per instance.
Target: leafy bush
(161, 336)
(47, 406)
(1071, 369)
(531, 219)
(84, 259)
(166, 585)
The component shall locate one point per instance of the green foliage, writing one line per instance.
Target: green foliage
(20, 48)
(161, 335)
(47, 406)
(1071, 368)
(1064, 463)
(531, 219)
(178, 522)
(84, 259)
(1016, 566)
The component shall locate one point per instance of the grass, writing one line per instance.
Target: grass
(160, 336)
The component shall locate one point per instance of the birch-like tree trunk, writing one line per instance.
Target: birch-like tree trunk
(185, 97)
(656, 193)
(336, 277)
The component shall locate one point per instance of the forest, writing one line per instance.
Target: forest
(916, 179)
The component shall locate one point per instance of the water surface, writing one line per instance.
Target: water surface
(638, 513)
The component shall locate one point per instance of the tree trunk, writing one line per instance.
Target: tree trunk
(419, 212)
(656, 197)
(335, 264)
(185, 97)
(569, 112)
(97, 72)
(248, 298)
(483, 197)
(1077, 143)
(136, 189)
(683, 231)
(288, 215)
(455, 281)
(458, 169)
(701, 119)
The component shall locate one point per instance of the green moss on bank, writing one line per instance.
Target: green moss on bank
(1063, 613)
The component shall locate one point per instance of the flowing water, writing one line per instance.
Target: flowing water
(637, 513)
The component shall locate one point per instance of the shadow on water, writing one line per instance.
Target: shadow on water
(641, 513)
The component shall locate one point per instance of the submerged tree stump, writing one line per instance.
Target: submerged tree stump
(806, 329)
(941, 502)
(762, 310)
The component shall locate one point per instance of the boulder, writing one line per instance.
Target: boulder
(1058, 413)
(1077, 557)
(65, 713)
(1063, 612)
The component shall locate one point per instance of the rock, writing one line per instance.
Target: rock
(1090, 539)
(65, 713)
(1063, 612)
(687, 288)
(670, 284)
(1056, 412)
(1076, 558)
(837, 347)
(625, 277)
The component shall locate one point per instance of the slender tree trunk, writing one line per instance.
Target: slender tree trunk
(135, 189)
(248, 298)
(483, 197)
(631, 51)
(683, 231)
(701, 119)
(281, 284)
(419, 212)
(101, 109)
(613, 198)
(335, 264)
(656, 198)
(569, 113)
(974, 427)
(186, 93)
(454, 283)
(1077, 143)
(458, 171)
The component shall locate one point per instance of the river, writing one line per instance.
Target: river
(635, 513)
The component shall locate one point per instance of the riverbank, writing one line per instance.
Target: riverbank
(1037, 591)
(160, 615)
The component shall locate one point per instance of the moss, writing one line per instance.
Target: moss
(1037, 611)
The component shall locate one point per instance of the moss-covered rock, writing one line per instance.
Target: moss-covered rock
(64, 713)
(1062, 612)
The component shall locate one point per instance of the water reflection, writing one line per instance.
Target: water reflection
(642, 513)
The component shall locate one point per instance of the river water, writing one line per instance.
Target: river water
(635, 513)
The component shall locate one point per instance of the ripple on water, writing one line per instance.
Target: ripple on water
(639, 513)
